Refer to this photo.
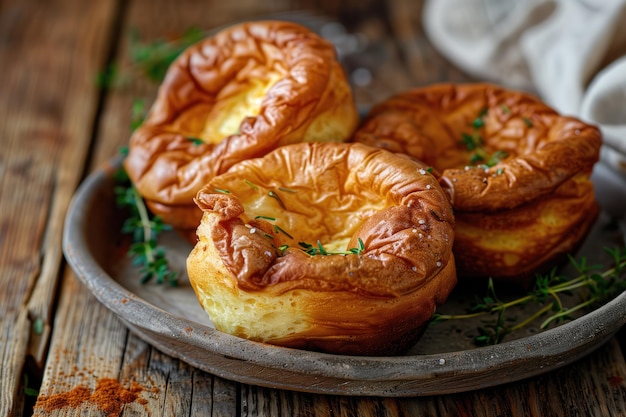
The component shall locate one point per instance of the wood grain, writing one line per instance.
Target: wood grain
(47, 107)
(56, 126)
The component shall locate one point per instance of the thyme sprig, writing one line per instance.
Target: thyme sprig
(144, 229)
(593, 284)
(149, 59)
(153, 58)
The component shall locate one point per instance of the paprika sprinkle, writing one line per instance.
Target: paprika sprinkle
(109, 396)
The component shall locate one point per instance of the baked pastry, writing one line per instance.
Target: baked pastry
(340, 248)
(518, 171)
(234, 96)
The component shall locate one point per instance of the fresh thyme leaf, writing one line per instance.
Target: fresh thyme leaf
(321, 248)
(471, 142)
(495, 158)
(144, 229)
(154, 58)
(476, 158)
(276, 197)
(474, 142)
(505, 109)
(196, 141)
(221, 191)
(528, 122)
(28, 390)
(148, 59)
(106, 79)
(38, 326)
(593, 284)
(271, 219)
(279, 229)
(138, 114)
(252, 185)
(478, 123)
(124, 152)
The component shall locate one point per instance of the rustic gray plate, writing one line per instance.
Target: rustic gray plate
(444, 361)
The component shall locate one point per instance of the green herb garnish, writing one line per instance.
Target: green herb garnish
(138, 114)
(196, 141)
(154, 58)
(594, 284)
(28, 390)
(38, 326)
(279, 229)
(320, 250)
(474, 142)
(276, 197)
(271, 219)
(251, 184)
(144, 229)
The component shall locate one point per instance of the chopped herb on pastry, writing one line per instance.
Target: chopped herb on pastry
(234, 96)
(518, 171)
(340, 248)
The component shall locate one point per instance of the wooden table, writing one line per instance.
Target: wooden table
(56, 125)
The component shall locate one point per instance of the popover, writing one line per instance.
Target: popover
(517, 171)
(332, 247)
(236, 95)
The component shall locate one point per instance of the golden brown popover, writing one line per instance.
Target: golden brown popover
(234, 96)
(332, 247)
(518, 172)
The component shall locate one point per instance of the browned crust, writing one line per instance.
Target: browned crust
(360, 304)
(545, 148)
(546, 172)
(417, 230)
(347, 323)
(531, 238)
(168, 169)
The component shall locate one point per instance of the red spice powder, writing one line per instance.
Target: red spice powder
(109, 396)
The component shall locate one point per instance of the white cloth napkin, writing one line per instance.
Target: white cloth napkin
(572, 53)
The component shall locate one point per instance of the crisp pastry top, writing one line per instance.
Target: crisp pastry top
(264, 215)
(496, 148)
(234, 96)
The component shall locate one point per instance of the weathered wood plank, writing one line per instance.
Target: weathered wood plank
(89, 344)
(47, 108)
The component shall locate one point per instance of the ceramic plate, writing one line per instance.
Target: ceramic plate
(444, 361)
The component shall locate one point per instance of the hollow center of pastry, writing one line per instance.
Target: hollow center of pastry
(236, 102)
(301, 217)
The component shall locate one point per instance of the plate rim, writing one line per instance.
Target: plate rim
(389, 376)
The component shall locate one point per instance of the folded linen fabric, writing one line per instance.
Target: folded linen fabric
(572, 53)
